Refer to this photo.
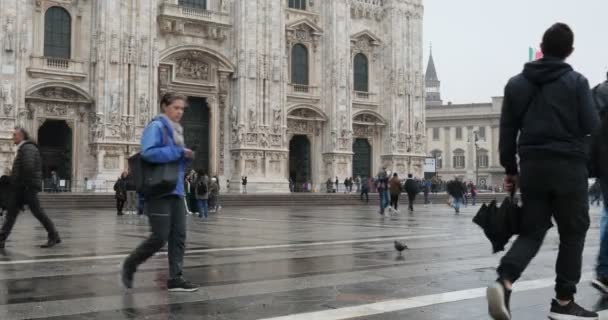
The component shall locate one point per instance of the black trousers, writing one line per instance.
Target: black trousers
(557, 189)
(395, 200)
(120, 204)
(167, 217)
(366, 195)
(411, 197)
(19, 198)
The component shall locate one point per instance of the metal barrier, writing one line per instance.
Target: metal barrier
(68, 186)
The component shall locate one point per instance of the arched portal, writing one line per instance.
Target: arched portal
(196, 132)
(55, 141)
(299, 162)
(362, 158)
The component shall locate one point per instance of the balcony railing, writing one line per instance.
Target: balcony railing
(365, 96)
(300, 89)
(370, 2)
(56, 66)
(173, 10)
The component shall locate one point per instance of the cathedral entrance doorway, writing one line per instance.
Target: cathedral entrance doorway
(299, 163)
(55, 142)
(362, 158)
(196, 132)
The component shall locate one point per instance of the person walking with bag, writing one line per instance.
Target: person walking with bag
(547, 114)
(26, 183)
(162, 143)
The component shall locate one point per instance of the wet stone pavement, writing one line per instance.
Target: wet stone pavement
(276, 263)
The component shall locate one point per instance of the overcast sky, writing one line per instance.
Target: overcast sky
(479, 44)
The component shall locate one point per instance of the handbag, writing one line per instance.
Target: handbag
(154, 179)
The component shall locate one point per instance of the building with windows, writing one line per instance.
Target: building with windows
(277, 89)
(462, 138)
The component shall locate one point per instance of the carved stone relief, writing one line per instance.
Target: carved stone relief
(367, 9)
(114, 50)
(111, 162)
(144, 55)
(144, 109)
(191, 68)
(6, 97)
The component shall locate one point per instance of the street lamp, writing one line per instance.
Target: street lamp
(476, 135)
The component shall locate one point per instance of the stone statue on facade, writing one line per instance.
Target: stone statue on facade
(9, 35)
(263, 140)
(144, 109)
(253, 122)
(114, 108)
(7, 94)
(276, 123)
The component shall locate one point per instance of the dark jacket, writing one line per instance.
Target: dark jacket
(600, 96)
(455, 189)
(600, 148)
(121, 188)
(550, 106)
(27, 167)
(411, 186)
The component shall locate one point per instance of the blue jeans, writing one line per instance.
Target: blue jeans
(203, 207)
(385, 199)
(602, 257)
(457, 203)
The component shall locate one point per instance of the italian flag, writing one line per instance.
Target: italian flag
(534, 54)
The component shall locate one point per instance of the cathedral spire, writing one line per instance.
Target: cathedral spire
(431, 72)
(433, 85)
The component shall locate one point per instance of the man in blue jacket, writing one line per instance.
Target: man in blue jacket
(546, 116)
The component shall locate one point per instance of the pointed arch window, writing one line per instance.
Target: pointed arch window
(297, 4)
(361, 70)
(299, 64)
(197, 4)
(57, 33)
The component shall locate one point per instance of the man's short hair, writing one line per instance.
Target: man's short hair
(26, 135)
(409, 175)
(558, 41)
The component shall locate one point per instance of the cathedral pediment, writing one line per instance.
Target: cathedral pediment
(305, 25)
(366, 36)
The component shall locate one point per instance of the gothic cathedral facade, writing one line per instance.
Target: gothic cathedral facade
(279, 90)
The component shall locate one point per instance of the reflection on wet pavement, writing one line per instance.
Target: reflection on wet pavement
(264, 263)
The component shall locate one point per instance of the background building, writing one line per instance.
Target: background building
(463, 138)
(278, 89)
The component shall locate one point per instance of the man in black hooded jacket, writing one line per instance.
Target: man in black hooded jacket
(549, 106)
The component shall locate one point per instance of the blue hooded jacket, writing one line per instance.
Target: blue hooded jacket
(158, 146)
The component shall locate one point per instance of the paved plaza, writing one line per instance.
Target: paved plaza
(276, 263)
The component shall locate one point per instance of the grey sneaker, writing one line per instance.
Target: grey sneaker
(498, 301)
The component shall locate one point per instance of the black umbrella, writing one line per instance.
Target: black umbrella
(499, 223)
